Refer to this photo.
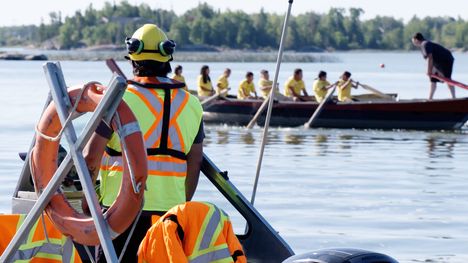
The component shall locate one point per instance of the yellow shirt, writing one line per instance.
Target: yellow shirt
(180, 79)
(208, 86)
(319, 89)
(344, 94)
(298, 87)
(247, 88)
(265, 83)
(222, 84)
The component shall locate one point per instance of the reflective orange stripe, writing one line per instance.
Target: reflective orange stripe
(148, 105)
(39, 233)
(165, 173)
(173, 121)
(162, 158)
(116, 168)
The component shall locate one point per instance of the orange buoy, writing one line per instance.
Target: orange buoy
(121, 214)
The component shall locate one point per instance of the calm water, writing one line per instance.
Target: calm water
(402, 193)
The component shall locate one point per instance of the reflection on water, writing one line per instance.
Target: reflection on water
(400, 193)
(440, 147)
(247, 138)
(223, 137)
(294, 139)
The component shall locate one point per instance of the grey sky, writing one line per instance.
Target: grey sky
(19, 12)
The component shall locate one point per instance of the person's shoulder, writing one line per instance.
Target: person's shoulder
(194, 102)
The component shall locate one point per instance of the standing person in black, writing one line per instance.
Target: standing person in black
(439, 61)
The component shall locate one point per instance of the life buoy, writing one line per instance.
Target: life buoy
(120, 215)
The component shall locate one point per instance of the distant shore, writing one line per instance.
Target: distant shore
(183, 56)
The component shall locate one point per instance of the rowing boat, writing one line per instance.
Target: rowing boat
(363, 114)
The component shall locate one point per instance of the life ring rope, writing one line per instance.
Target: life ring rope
(70, 116)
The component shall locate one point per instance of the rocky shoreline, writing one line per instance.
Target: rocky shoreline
(17, 56)
(182, 56)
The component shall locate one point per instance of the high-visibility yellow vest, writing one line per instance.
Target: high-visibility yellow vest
(40, 246)
(169, 119)
(195, 232)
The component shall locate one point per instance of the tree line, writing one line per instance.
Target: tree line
(339, 29)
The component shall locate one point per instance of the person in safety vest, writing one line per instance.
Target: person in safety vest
(171, 123)
(192, 232)
(41, 245)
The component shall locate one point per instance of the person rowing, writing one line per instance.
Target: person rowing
(247, 88)
(205, 88)
(439, 62)
(344, 86)
(265, 85)
(223, 83)
(321, 86)
(295, 86)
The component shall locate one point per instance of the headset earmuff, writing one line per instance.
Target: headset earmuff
(167, 47)
(134, 46)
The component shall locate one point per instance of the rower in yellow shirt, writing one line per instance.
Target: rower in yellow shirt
(265, 85)
(223, 83)
(205, 88)
(178, 76)
(294, 86)
(246, 87)
(344, 87)
(321, 86)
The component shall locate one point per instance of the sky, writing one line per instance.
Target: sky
(20, 12)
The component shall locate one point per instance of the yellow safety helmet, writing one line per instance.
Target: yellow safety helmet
(150, 43)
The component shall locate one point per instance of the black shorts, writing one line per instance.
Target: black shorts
(445, 67)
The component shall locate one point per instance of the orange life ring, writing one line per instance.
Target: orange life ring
(120, 215)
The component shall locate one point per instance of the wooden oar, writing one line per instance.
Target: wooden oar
(112, 65)
(259, 112)
(319, 109)
(212, 98)
(376, 92)
(450, 81)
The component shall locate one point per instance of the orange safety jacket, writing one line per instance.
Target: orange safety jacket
(169, 118)
(193, 232)
(40, 246)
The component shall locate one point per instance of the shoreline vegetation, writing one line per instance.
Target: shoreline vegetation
(204, 28)
(180, 56)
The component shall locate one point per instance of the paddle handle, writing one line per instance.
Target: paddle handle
(214, 97)
(376, 91)
(450, 81)
(319, 109)
(112, 65)
(258, 113)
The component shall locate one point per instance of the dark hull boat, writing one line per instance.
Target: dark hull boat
(407, 114)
